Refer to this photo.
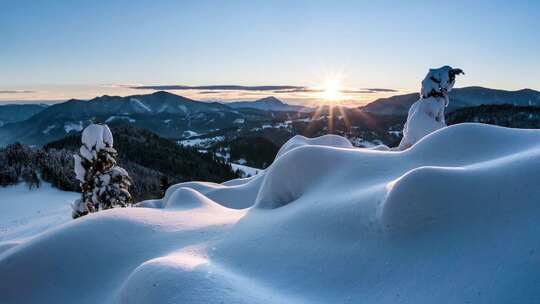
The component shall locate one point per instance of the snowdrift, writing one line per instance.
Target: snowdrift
(454, 219)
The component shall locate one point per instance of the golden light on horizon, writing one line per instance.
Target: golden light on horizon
(332, 90)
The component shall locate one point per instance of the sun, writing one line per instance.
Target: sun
(331, 90)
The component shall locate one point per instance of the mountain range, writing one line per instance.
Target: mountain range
(167, 114)
(17, 112)
(172, 116)
(459, 98)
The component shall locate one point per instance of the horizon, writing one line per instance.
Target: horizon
(63, 50)
(250, 95)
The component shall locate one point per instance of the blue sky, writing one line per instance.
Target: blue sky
(387, 44)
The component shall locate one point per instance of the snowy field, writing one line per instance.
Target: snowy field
(25, 213)
(454, 219)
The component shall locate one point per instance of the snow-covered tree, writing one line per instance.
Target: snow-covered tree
(104, 185)
(426, 115)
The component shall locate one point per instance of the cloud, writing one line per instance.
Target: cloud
(218, 87)
(346, 91)
(278, 89)
(380, 90)
(212, 92)
(16, 92)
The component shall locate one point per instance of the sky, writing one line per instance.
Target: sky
(54, 50)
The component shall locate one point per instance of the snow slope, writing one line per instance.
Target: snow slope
(25, 213)
(454, 219)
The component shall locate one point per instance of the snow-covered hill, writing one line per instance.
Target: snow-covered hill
(454, 219)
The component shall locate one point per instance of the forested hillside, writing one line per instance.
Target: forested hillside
(153, 162)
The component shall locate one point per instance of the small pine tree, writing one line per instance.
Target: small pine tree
(164, 184)
(104, 185)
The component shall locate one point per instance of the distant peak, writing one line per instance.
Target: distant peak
(163, 93)
(270, 99)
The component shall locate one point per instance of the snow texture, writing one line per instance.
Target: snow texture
(25, 213)
(453, 219)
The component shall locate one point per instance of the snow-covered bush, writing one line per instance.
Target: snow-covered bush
(104, 185)
(426, 115)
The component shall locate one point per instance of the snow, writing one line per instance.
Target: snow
(78, 167)
(97, 136)
(426, 115)
(189, 133)
(239, 121)
(70, 126)
(113, 118)
(48, 129)
(325, 140)
(360, 142)
(183, 108)
(246, 170)
(25, 213)
(325, 223)
(201, 142)
(139, 104)
(439, 81)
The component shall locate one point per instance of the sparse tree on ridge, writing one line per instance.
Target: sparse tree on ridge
(104, 185)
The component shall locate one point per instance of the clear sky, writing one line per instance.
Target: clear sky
(366, 44)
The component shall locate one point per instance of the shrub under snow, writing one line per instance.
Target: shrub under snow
(104, 185)
(427, 114)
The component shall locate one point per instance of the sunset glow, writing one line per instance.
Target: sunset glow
(332, 91)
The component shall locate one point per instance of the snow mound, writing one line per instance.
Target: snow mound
(325, 140)
(453, 219)
(235, 194)
(186, 198)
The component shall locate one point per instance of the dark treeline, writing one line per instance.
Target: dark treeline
(256, 151)
(506, 115)
(152, 162)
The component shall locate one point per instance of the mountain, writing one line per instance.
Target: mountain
(19, 112)
(270, 103)
(459, 98)
(166, 114)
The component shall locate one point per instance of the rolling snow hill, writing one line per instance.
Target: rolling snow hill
(454, 219)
